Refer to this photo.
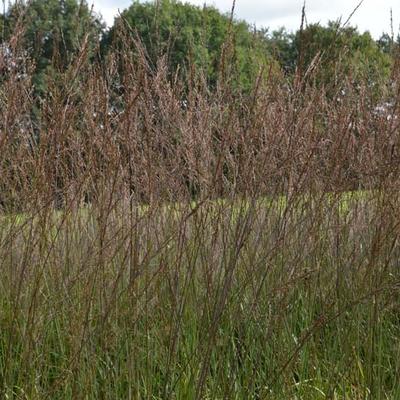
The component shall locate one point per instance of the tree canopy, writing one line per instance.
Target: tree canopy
(191, 35)
(195, 38)
(53, 32)
(334, 50)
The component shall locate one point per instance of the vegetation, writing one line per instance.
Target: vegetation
(53, 33)
(197, 234)
(193, 37)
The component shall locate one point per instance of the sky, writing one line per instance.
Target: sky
(373, 15)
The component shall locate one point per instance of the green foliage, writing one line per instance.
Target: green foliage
(331, 55)
(341, 53)
(385, 43)
(197, 37)
(281, 44)
(54, 31)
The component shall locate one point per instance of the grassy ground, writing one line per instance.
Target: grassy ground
(252, 299)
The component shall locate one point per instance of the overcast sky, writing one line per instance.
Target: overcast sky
(373, 15)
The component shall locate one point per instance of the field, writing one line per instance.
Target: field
(169, 240)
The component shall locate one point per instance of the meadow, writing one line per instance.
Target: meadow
(234, 246)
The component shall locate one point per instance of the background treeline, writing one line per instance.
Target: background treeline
(192, 39)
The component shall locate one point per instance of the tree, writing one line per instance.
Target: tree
(340, 52)
(192, 36)
(281, 44)
(53, 32)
